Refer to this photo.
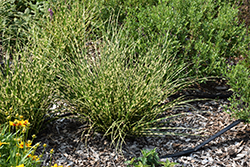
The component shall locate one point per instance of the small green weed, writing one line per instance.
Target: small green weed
(149, 159)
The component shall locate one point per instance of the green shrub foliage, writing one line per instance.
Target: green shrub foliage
(15, 19)
(206, 32)
(239, 79)
(120, 8)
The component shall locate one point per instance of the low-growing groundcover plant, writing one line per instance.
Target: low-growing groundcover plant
(149, 158)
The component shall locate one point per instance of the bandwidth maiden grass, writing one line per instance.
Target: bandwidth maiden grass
(119, 92)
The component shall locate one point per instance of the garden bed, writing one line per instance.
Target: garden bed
(230, 149)
(123, 66)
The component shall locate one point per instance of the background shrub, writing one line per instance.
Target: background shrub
(120, 8)
(239, 80)
(206, 32)
(15, 19)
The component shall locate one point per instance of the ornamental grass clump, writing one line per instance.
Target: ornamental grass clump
(24, 81)
(119, 92)
(28, 84)
(25, 89)
(68, 25)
